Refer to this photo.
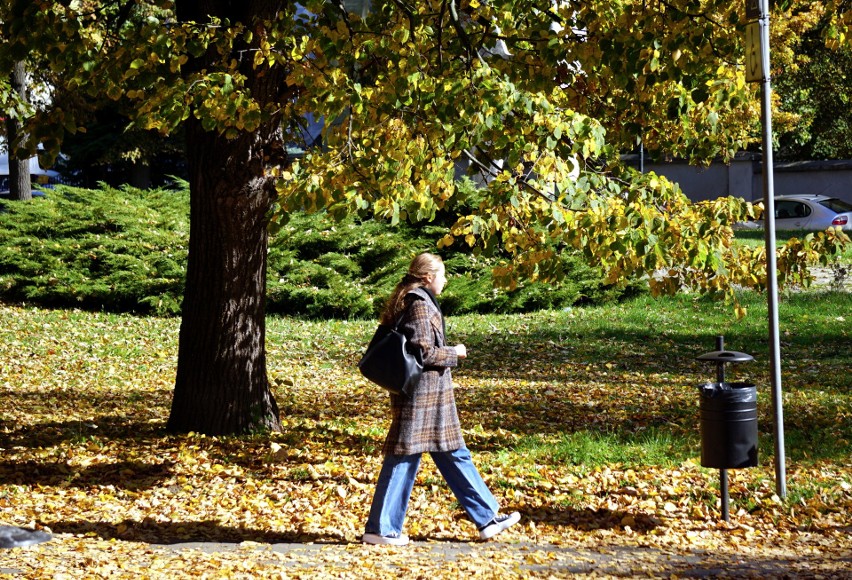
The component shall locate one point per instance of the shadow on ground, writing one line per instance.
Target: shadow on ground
(154, 532)
(129, 475)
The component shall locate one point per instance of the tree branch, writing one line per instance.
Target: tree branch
(521, 178)
(454, 18)
(409, 14)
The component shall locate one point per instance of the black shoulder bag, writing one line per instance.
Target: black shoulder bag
(388, 362)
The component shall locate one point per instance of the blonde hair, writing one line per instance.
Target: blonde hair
(421, 266)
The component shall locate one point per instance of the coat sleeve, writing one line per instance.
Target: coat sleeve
(423, 333)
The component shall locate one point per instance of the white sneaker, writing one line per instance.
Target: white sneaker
(393, 539)
(498, 524)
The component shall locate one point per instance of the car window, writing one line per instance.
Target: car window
(785, 210)
(836, 205)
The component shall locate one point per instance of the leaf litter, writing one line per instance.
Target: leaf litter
(86, 457)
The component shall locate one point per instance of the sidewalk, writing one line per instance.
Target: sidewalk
(72, 558)
(524, 559)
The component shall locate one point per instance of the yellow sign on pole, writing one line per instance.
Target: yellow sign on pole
(754, 72)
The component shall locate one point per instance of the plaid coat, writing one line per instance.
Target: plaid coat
(428, 420)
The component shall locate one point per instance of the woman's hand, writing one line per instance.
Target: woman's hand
(461, 350)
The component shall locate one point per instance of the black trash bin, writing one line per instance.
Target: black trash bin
(728, 413)
(728, 419)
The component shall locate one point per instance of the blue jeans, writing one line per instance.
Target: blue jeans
(396, 480)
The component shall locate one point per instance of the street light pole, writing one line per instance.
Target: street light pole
(771, 265)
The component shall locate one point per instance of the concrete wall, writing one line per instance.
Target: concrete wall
(743, 177)
(832, 178)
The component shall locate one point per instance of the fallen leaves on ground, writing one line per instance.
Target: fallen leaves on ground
(85, 399)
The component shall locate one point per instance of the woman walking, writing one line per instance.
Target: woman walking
(427, 421)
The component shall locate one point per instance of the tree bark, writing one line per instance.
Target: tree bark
(20, 186)
(221, 385)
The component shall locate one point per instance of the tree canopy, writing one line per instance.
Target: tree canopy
(538, 101)
(536, 97)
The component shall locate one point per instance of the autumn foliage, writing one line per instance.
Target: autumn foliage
(583, 420)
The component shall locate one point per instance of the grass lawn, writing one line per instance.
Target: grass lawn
(584, 420)
(756, 238)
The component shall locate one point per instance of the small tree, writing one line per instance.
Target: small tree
(20, 187)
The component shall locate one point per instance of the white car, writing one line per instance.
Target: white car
(808, 212)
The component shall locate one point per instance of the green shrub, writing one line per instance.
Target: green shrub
(114, 249)
(325, 269)
(125, 250)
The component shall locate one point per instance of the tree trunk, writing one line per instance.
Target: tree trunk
(221, 385)
(20, 186)
(140, 175)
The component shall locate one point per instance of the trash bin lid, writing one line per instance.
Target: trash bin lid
(725, 356)
(711, 388)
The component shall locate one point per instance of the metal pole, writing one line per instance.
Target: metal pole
(720, 365)
(771, 278)
(723, 473)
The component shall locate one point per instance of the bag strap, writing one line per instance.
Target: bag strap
(398, 320)
(400, 315)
